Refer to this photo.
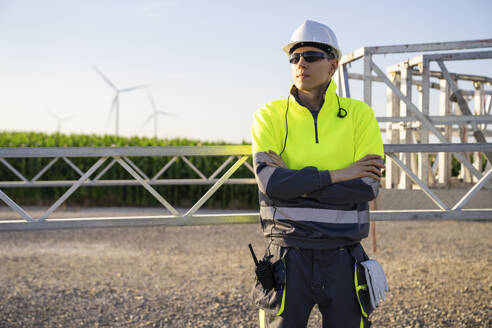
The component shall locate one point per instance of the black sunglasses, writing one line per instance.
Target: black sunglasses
(309, 56)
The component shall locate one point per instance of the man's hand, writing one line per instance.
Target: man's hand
(277, 161)
(368, 166)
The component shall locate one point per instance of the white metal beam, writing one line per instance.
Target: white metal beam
(44, 169)
(13, 170)
(463, 105)
(480, 183)
(434, 46)
(135, 167)
(423, 118)
(227, 218)
(164, 168)
(419, 182)
(73, 166)
(440, 120)
(250, 168)
(221, 167)
(72, 189)
(105, 169)
(146, 185)
(193, 167)
(216, 186)
(11, 152)
(13, 205)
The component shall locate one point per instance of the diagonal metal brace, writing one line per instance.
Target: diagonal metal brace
(424, 119)
(216, 186)
(136, 168)
(477, 133)
(220, 168)
(104, 170)
(11, 168)
(480, 183)
(248, 166)
(15, 207)
(72, 189)
(73, 166)
(44, 169)
(419, 182)
(193, 167)
(164, 168)
(146, 185)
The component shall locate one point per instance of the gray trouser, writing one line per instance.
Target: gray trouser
(322, 277)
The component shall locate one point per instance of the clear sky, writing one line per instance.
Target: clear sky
(213, 63)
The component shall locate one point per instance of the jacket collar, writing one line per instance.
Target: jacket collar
(328, 99)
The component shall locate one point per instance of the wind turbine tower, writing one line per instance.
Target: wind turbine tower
(115, 104)
(155, 113)
(59, 119)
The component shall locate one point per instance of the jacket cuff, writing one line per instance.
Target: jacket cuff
(324, 178)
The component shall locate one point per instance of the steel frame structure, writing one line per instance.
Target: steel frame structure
(240, 153)
(407, 120)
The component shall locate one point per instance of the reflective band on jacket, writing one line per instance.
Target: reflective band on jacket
(314, 215)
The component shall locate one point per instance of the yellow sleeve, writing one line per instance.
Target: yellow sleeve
(265, 135)
(368, 140)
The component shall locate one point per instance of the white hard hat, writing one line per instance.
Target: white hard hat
(311, 31)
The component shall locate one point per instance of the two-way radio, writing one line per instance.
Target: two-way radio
(263, 271)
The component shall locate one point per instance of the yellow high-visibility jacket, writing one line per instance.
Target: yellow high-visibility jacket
(300, 206)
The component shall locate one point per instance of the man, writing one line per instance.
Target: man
(318, 161)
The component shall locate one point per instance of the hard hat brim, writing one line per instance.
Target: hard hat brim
(289, 46)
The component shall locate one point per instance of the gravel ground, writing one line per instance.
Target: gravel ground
(438, 272)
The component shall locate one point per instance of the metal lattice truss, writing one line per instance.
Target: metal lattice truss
(455, 148)
(121, 156)
(240, 153)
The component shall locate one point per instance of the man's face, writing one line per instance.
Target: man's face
(309, 76)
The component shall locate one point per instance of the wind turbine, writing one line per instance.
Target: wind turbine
(59, 119)
(115, 104)
(155, 113)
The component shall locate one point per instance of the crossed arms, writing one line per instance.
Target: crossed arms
(356, 183)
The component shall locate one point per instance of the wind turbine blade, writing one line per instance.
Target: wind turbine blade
(111, 109)
(149, 94)
(135, 87)
(104, 78)
(147, 121)
(66, 118)
(53, 114)
(165, 113)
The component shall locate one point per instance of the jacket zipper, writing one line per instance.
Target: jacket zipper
(316, 128)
